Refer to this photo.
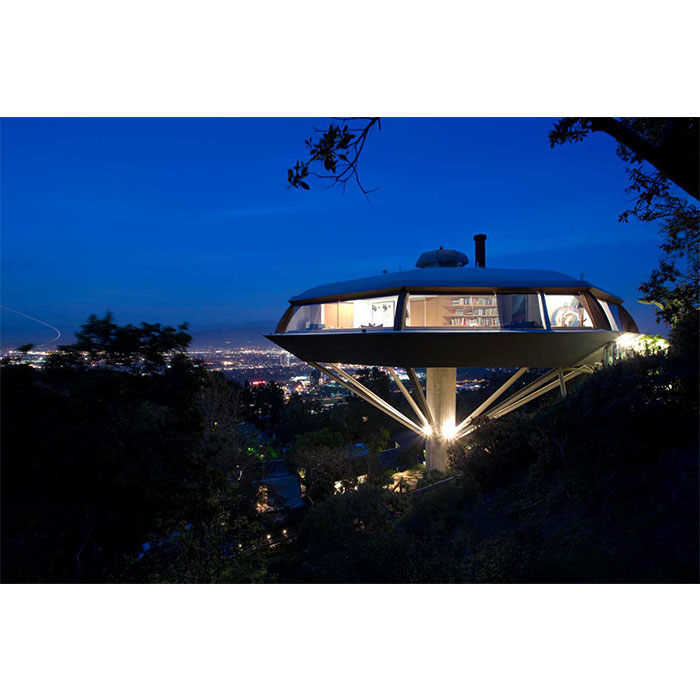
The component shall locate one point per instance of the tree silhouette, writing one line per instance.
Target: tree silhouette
(146, 347)
(672, 147)
(121, 440)
(337, 150)
(669, 144)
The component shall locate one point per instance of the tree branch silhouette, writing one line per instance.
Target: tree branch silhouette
(337, 151)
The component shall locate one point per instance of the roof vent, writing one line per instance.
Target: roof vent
(442, 258)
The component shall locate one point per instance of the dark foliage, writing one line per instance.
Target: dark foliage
(598, 487)
(672, 147)
(351, 539)
(263, 404)
(670, 144)
(134, 348)
(327, 462)
(106, 450)
(103, 452)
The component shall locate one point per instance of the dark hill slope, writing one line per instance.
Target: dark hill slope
(599, 487)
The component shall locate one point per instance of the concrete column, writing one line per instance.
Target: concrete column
(441, 395)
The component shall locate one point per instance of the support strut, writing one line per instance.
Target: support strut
(499, 411)
(408, 397)
(418, 389)
(351, 384)
(480, 409)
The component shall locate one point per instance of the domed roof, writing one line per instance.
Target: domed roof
(435, 279)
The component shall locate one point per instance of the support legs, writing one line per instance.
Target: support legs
(436, 408)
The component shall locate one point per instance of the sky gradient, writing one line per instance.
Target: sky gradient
(176, 220)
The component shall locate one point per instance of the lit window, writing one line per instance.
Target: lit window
(567, 311)
(441, 311)
(307, 318)
(474, 311)
(374, 313)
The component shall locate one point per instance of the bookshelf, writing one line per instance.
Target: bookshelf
(473, 311)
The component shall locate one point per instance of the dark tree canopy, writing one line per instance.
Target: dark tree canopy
(671, 146)
(118, 441)
(137, 348)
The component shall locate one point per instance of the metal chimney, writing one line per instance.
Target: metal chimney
(480, 249)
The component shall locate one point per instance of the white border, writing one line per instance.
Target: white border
(315, 58)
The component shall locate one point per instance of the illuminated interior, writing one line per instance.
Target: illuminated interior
(486, 311)
(567, 311)
(474, 311)
(374, 313)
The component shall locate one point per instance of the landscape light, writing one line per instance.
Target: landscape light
(449, 431)
(427, 430)
(640, 343)
(627, 340)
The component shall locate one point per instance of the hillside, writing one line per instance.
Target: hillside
(599, 487)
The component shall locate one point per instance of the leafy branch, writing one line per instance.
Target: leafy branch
(337, 150)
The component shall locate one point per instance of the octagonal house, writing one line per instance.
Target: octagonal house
(444, 315)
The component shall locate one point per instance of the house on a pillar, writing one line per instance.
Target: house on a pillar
(443, 315)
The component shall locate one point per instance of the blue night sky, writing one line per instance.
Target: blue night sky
(176, 220)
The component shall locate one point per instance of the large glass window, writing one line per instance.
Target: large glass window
(612, 313)
(475, 311)
(441, 310)
(374, 313)
(459, 311)
(520, 311)
(621, 320)
(567, 311)
(306, 318)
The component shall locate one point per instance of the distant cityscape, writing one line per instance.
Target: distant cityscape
(259, 365)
